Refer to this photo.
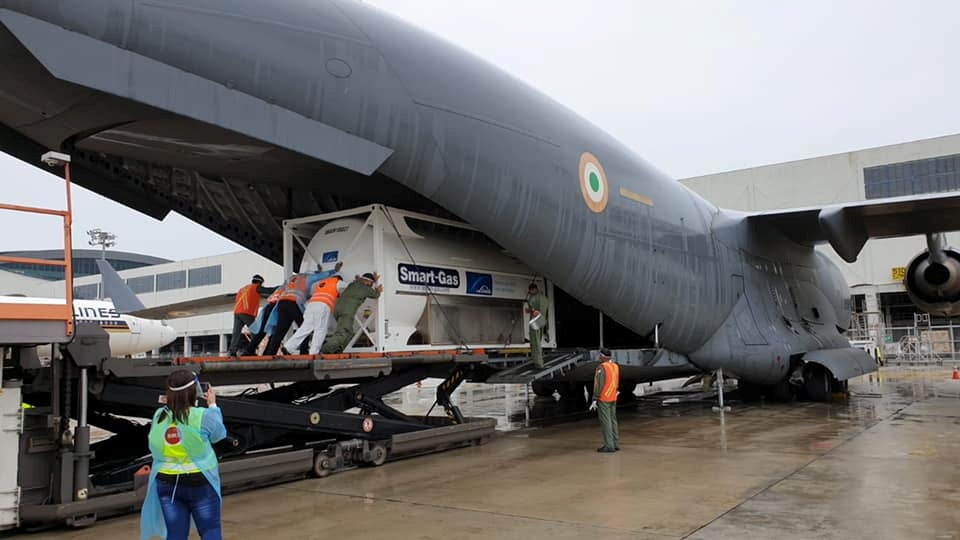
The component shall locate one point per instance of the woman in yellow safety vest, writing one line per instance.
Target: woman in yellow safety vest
(184, 482)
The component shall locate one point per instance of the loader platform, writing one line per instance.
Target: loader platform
(301, 416)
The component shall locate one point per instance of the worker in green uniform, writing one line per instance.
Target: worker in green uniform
(346, 308)
(536, 306)
(606, 387)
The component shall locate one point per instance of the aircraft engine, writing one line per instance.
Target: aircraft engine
(933, 278)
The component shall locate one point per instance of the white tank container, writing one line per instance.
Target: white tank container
(445, 285)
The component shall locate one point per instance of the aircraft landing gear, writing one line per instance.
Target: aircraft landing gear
(783, 391)
(748, 391)
(836, 385)
(813, 382)
(817, 382)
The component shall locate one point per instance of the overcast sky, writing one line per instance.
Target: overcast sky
(694, 86)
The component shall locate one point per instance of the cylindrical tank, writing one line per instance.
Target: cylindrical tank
(443, 285)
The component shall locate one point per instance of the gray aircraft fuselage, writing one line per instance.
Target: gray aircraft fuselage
(559, 193)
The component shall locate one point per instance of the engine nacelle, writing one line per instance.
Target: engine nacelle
(933, 281)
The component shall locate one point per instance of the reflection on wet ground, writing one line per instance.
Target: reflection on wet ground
(879, 463)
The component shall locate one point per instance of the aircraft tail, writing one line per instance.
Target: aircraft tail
(114, 288)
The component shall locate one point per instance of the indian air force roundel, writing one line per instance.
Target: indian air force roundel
(593, 183)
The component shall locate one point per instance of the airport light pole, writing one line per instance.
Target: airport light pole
(103, 239)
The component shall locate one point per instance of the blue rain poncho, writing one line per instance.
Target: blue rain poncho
(180, 449)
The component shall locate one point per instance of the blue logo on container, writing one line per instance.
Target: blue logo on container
(330, 256)
(479, 284)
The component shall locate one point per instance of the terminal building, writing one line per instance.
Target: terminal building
(166, 284)
(84, 263)
(885, 313)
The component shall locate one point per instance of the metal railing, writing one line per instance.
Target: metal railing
(922, 345)
(27, 311)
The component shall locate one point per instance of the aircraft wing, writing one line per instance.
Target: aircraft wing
(218, 303)
(202, 306)
(848, 226)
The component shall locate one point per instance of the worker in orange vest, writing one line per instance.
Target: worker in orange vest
(245, 308)
(316, 316)
(289, 308)
(606, 384)
(261, 325)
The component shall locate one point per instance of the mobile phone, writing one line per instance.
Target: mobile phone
(204, 387)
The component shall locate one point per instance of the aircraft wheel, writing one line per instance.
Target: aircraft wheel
(817, 383)
(836, 385)
(782, 391)
(543, 389)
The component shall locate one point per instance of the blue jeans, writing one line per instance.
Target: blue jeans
(200, 502)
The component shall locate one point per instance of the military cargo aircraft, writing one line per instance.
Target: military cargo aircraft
(240, 113)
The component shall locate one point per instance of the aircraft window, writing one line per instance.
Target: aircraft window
(208, 275)
(171, 280)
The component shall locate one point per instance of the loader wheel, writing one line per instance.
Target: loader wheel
(378, 455)
(322, 465)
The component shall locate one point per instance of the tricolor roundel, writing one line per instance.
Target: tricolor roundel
(593, 183)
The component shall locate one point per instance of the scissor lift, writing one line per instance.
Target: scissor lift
(318, 415)
(327, 416)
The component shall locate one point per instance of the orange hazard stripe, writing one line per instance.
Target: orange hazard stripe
(34, 209)
(36, 312)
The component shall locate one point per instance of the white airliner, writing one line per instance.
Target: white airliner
(128, 334)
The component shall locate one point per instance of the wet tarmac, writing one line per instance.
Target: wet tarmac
(880, 463)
